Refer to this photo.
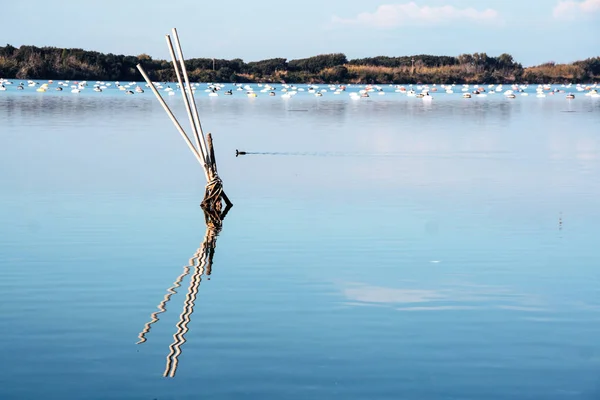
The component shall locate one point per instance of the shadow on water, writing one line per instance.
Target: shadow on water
(199, 265)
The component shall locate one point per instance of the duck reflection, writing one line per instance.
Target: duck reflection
(200, 264)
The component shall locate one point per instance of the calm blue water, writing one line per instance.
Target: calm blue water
(385, 248)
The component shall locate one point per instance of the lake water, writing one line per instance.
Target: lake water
(381, 248)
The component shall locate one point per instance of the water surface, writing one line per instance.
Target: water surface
(383, 248)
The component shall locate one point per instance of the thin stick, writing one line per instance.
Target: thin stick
(185, 99)
(174, 120)
(187, 82)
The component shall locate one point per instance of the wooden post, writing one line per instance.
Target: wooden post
(186, 100)
(174, 120)
(211, 150)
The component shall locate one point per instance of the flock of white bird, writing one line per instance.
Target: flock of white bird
(287, 91)
(75, 87)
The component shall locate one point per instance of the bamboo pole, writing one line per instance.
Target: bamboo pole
(213, 172)
(186, 100)
(187, 82)
(174, 120)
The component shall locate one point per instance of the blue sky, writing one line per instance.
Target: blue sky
(533, 31)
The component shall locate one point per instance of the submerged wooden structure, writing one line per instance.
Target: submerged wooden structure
(203, 150)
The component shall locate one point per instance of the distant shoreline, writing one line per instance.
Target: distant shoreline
(30, 62)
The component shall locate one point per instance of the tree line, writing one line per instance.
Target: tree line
(30, 62)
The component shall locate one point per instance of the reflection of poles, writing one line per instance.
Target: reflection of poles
(207, 251)
(201, 263)
(185, 317)
(161, 306)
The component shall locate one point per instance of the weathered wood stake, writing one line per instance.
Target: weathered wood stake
(211, 152)
(214, 167)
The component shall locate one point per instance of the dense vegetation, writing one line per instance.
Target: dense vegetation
(30, 62)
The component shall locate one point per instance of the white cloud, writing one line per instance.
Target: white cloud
(395, 15)
(571, 9)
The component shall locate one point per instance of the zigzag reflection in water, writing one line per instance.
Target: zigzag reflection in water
(162, 305)
(201, 263)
